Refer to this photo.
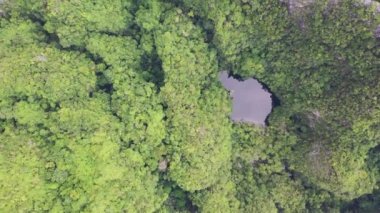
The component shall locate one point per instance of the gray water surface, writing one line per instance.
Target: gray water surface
(251, 102)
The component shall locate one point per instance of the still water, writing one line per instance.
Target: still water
(251, 101)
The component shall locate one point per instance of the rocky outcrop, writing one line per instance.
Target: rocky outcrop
(377, 32)
(297, 5)
(300, 6)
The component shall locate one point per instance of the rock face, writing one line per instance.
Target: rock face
(296, 6)
(377, 32)
(299, 5)
(163, 165)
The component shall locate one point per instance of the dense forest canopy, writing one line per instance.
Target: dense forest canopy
(116, 106)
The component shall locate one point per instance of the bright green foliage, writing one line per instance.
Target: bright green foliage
(22, 170)
(220, 197)
(68, 76)
(24, 7)
(197, 123)
(89, 153)
(118, 51)
(148, 15)
(29, 113)
(136, 103)
(18, 33)
(103, 181)
(242, 28)
(116, 106)
(134, 100)
(73, 20)
(53, 76)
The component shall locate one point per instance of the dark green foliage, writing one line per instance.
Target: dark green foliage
(116, 106)
(323, 65)
(264, 182)
(367, 203)
(196, 109)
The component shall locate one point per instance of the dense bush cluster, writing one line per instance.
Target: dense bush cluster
(116, 106)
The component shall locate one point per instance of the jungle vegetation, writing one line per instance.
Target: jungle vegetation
(116, 106)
